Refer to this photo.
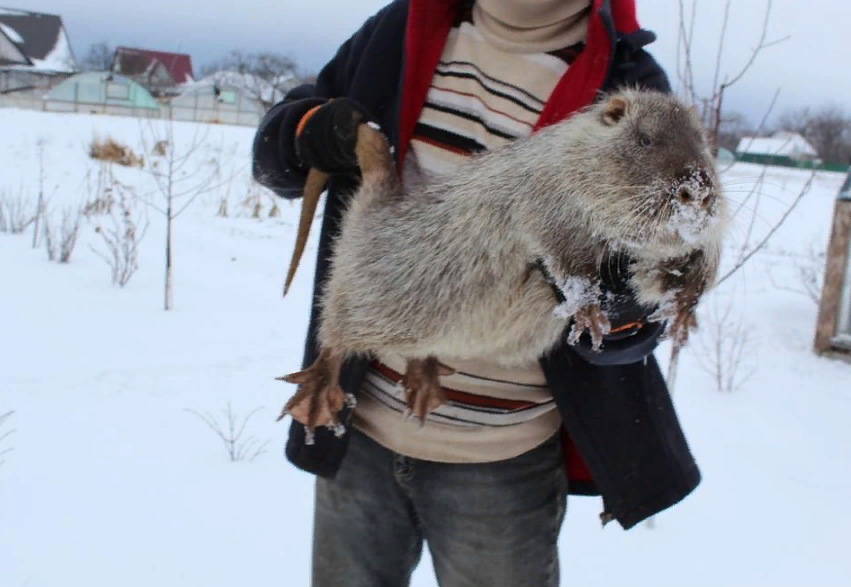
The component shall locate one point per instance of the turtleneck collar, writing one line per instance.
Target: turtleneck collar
(532, 26)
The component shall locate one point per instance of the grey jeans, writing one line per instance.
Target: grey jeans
(486, 525)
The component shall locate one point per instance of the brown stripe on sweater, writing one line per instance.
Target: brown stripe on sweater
(463, 397)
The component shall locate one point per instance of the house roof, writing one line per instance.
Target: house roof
(10, 51)
(781, 143)
(39, 38)
(178, 65)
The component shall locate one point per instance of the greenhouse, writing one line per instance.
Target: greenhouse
(211, 102)
(101, 92)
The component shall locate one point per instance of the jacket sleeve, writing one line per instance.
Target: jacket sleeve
(274, 162)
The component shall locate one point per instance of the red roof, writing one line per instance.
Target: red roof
(179, 65)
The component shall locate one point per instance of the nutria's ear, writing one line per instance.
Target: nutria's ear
(615, 109)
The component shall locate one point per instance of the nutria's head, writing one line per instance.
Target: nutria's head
(651, 178)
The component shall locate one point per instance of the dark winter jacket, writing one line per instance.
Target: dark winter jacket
(622, 437)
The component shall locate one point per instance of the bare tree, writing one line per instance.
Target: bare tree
(181, 174)
(122, 237)
(99, 57)
(231, 432)
(264, 76)
(711, 105)
(4, 435)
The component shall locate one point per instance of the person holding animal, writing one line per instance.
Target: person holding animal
(505, 431)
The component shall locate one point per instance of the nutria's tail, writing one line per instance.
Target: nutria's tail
(376, 164)
(313, 187)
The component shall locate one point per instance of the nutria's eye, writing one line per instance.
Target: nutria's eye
(644, 140)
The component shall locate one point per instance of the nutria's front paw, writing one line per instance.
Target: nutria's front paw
(678, 311)
(592, 319)
(422, 387)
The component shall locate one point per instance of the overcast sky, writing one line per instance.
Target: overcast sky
(811, 67)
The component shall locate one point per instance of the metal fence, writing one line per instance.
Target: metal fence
(785, 161)
(219, 114)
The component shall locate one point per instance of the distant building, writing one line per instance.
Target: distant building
(782, 148)
(159, 72)
(35, 53)
(833, 326)
(101, 91)
(211, 102)
(265, 91)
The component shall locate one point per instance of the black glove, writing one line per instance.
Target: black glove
(619, 302)
(326, 137)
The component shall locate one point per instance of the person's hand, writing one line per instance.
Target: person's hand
(326, 135)
(618, 302)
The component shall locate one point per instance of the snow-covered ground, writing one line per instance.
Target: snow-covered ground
(113, 482)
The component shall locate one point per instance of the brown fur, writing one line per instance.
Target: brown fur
(441, 268)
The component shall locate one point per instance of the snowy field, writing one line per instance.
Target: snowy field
(112, 481)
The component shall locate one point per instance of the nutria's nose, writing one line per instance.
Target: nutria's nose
(698, 197)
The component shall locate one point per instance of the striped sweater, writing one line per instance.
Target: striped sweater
(481, 96)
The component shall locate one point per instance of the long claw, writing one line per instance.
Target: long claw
(592, 319)
(298, 378)
(422, 387)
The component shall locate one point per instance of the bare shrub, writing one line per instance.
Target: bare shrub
(51, 242)
(16, 213)
(111, 150)
(809, 273)
(101, 188)
(4, 435)
(239, 446)
(60, 247)
(223, 207)
(99, 206)
(159, 148)
(122, 237)
(726, 347)
(69, 232)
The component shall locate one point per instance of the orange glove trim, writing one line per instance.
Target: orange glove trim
(300, 126)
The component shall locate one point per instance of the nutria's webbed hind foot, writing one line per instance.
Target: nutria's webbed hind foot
(319, 397)
(594, 320)
(422, 387)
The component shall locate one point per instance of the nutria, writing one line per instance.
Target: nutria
(445, 268)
